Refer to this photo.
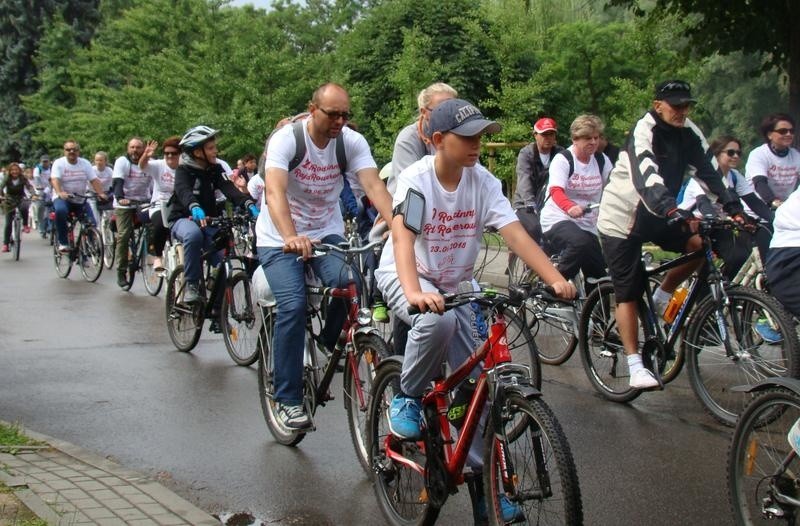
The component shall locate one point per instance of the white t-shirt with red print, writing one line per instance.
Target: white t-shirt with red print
(782, 173)
(163, 178)
(453, 225)
(73, 176)
(314, 186)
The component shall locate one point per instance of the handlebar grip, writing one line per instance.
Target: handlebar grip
(413, 309)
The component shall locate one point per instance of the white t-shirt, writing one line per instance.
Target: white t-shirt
(693, 190)
(314, 186)
(255, 186)
(73, 177)
(163, 178)
(782, 172)
(787, 223)
(450, 241)
(104, 176)
(583, 187)
(137, 185)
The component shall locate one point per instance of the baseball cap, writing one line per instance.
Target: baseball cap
(462, 118)
(674, 92)
(545, 124)
(44, 158)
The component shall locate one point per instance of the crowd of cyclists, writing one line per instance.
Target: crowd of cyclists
(592, 203)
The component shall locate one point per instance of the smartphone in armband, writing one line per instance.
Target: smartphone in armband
(413, 210)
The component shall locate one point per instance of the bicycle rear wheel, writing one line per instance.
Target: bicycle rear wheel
(359, 372)
(109, 244)
(16, 236)
(152, 280)
(528, 461)
(602, 353)
(184, 322)
(266, 385)
(239, 321)
(712, 373)
(758, 448)
(90, 254)
(400, 489)
(63, 262)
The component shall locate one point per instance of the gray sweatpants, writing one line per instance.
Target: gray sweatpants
(432, 339)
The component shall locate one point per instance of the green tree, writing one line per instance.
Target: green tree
(766, 27)
(22, 23)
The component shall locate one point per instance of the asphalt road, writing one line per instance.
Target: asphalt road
(93, 365)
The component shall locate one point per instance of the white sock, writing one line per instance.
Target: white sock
(661, 299)
(635, 362)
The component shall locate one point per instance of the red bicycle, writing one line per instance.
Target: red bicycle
(527, 461)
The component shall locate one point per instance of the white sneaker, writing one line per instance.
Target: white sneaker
(643, 379)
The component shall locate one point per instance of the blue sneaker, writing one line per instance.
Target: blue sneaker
(404, 417)
(767, 333)
(512, 513)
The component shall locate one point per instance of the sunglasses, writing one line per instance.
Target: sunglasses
(70, 150)
(336, 115)
(731, 153)
(171, 154)
(784, 131)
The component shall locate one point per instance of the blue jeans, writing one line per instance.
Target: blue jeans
(62, 209)
(195, 240)
(286, 277)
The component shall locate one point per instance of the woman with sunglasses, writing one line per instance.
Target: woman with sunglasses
(774, 167)
(734, 249)
(162, 171)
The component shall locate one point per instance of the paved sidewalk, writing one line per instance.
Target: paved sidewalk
(66, 485)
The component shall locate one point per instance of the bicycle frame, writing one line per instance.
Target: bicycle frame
(497, 360)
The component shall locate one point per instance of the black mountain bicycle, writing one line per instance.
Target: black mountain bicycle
(85, 245)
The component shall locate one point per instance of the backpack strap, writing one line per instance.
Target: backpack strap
(599, 157)
(300, 148)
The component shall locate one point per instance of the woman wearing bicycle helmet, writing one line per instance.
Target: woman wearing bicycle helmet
(197, 176)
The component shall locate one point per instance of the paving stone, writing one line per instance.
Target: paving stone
(89, 484)
(130, 514)
(85, 504)
(128, 490)
(61, 485)
(116, 504)
(153, 509)
(103, 494)
(99, 513)
(168, 519)
(143, 522)
(111, 522)
(140, 498)
(74, 494)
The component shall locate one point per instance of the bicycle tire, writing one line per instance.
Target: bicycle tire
(63, 262)
(552, 327)
(109, 244)
(712, 373)
(602, 354)
(400, 489)
(517, 270)
(522, 345)
(90, 254)
(16, 238)
(239, 321)
(526, 425)
(359, 371)
(758, 447)
(130, 269)
(184, 322)
(151, 279)
(266, 388)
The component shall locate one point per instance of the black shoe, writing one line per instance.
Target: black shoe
(214, 326)
(191, 294)
(122, 281)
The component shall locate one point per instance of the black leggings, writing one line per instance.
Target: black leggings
(579, 249)
(160, 233)
(10, 218)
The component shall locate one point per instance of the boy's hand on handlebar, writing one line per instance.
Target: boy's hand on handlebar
(575, 211)
(564, 289)
(300, 245)
(427, 301)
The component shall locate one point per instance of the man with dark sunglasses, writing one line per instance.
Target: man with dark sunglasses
(639, 204)
(303, 207)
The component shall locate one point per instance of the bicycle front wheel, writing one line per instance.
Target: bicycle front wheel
(522, 345)
(90, 254)
(184, 322)
(153, 281)
(63, 262)
(759, 448)
(359, 372)
(400, 489)
(762, 343)
(109, 244)
(528, 462)
(239, 321)
(17, 236)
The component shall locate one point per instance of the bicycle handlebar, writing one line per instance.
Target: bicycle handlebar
(492, 298)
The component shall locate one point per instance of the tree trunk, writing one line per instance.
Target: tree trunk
(793, 69)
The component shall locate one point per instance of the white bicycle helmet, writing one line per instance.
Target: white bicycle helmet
(196, 137)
